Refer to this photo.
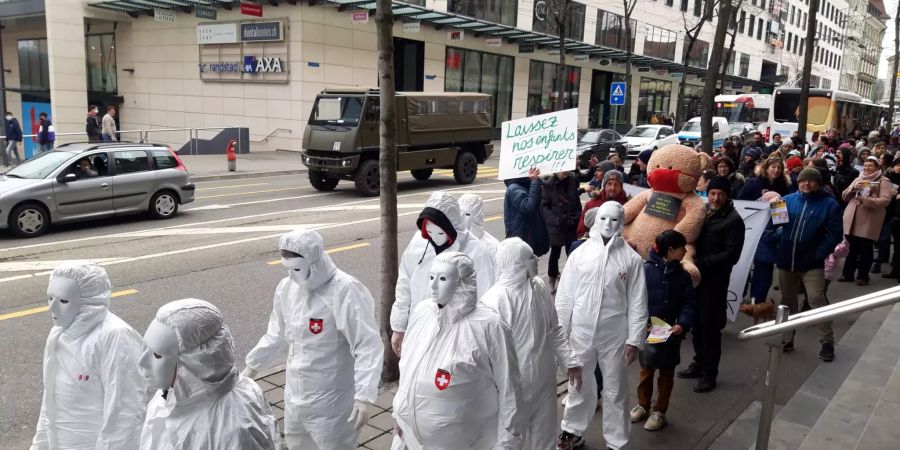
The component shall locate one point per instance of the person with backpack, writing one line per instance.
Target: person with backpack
(92, 124)
(46, 134)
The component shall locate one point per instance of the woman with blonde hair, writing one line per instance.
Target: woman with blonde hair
(770, 176)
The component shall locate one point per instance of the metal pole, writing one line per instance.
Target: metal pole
(776, 347)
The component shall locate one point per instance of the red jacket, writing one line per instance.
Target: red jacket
(594, 203)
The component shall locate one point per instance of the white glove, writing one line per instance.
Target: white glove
(360, 414)
(249, 373)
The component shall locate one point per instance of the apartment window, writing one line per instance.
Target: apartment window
(699, 54)
(654, 97)
(611, 30)
(497, 11)
(759, 29)
(745, 65)
(787, 42)
(544, 22)
(805, 20)
(684, 5)
(802, 46)
(729, 62)
(474, 71)
(793, 11)
(752, 25)
(669, 2)
(34, 73)
(542, 93)
(762, 4)
(741, 22)
(698, 7)
(660, 43)
(100, 50)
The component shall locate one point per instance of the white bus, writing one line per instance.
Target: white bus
(828, 108)
(747, 108)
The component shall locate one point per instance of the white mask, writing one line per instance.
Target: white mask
(65, 301)
(436, 233)
(610, 219)
(298, 269)
(444, 280)
(160, 357)
(8, 117)
(467, 220)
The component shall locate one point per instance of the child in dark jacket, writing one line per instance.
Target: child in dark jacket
(670, 297)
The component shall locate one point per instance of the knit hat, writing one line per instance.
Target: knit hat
(874, 159)
(793, 162)
(644, 156)
(613, 175)
(605, 166)
(810, 174)
(794, 152)
(753, 152)
(720, 183)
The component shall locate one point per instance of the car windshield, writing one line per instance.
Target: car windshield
(337, 110)
(591, 137)
(40, 166)
(643, 132)
(737, 127)
(691, 126)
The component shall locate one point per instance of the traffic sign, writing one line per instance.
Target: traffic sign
(617, 93)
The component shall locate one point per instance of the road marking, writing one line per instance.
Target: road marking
(22, 266)
(227, 230)
(362, 207)
(255, 202)
(250, 192)
(232, 186)
(331, 251)
(493, 218)
(40, 309)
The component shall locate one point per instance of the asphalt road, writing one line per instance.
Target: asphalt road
(223, 248)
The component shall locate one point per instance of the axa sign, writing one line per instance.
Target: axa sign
(253, 64)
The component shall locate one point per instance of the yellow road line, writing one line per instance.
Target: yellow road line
(232, 186)
(248, 193)
(38, 310)
(333, 250)
(493, 218)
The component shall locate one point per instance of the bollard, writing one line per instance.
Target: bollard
(232, 158)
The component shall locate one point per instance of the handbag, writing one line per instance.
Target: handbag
(663, 355)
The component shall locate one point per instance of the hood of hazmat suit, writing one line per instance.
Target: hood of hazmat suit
(325, 329)
(472, 208)
(459, 377)
(94, 397)
(210, 405)
(412, 279)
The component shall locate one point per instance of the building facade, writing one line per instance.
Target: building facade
(864, 31)
(168, 64)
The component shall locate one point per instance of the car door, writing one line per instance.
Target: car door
(133, 181)
(88, 195)
(665, 137)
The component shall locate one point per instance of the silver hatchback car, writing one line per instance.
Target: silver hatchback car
(88, 181)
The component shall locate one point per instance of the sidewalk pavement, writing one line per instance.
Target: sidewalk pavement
(249, 165)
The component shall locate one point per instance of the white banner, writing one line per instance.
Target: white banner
(756, 216)
(548, 142)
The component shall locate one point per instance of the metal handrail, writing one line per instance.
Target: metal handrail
(266, 139)
(195, 135)
(190, 131)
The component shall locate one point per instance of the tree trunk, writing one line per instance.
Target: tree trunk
(803, 117)
(712, 74)
(729, 61)
(562, 13)
(387, 130)
(628, 6)
(894, 69)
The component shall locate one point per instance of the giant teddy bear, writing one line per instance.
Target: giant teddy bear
(672, 172)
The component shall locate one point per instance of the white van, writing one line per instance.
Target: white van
(690, 133)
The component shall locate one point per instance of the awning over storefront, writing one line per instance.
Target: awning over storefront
(440, 20)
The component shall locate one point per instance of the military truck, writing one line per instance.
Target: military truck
(434, 130)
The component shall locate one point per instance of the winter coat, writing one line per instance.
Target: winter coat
(813, 230)
(13, 130)
(92, 127)
(718, 250)
(866, 220)
(595, 203)
(670, 297)
(561, 206)
(44, 136)
(737, 183)
(753, 188)
(522, 215)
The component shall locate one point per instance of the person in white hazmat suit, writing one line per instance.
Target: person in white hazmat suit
(201, 401)
(323, 324)
(94, 397)
(524, 302)
(602, 304)
(459, 375)
(441, 229)
(472, 208)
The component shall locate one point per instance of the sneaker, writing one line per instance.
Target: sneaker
(638, 413)
(862, 282)
(704, 385)
(891, 274)
(569, 441)
(657, 421)
(827, 352)
(691, 372)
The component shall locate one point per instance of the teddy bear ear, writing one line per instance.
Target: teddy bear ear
(704, 160)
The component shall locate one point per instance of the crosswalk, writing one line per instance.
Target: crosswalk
(484, 171)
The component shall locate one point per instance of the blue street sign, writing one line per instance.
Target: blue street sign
(617, 93)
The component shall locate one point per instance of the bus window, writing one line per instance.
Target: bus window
(787, 108)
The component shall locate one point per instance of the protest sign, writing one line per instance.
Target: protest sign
(548, 142)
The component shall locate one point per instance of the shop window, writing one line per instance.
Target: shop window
(542, 87)
(497, 11)
(545, 19)
(660, 43)
(34, 73)
(101, 63)
(611, 30)
(653, 99)
(699, 55)
(474, 71)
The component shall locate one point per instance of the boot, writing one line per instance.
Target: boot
(693, 371)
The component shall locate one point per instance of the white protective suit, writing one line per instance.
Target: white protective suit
(210, 406)
(412, 280)
(326, 331)
(602, 304)
(94, 396)
(472, 208)
(523, 301)
(459, 378)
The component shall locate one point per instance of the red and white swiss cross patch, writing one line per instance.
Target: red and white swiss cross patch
(315, 326)
(442, 379)
(83, 377)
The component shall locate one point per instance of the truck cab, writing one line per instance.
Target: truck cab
(690, 134)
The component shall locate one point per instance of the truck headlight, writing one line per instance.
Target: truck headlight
(345, 163)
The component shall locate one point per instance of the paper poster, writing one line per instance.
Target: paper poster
(865, 189)
(663, 206)
(779, 212)
(547, 142)
(659, 331)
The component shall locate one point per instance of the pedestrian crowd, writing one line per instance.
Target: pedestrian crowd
(97, 129)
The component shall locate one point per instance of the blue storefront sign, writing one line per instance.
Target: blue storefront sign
(261, 32)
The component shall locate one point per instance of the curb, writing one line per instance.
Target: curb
(236, 176)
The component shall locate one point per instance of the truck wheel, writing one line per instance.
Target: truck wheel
(466, 168)
(322, 182)
(421, 174)
(366, 178)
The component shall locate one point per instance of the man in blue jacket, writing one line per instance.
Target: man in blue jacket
(13, 137)
(522, 212)
(813, 230)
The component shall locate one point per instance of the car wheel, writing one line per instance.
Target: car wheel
(466, 168)
(163, 205)
(29, 220)
(366, 178)
(421, 174)
(321, 182)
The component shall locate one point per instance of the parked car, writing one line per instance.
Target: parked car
(88, 181)
(600, 143)
(690, 132)
(647, 137)
(742, 130)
